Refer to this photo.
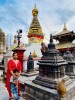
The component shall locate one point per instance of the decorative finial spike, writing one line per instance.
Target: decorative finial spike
(51, 38)
(65, 28)
(35, 6)
(35, 11)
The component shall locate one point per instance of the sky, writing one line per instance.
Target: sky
(17, 14)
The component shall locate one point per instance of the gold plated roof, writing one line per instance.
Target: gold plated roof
(65, 30)
(65, 45)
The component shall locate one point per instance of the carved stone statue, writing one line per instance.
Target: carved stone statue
(30, 63)
(43, 48)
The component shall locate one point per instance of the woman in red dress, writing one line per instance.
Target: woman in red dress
(12, 64)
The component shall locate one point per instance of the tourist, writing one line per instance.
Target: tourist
(12, 64)
(14, 85)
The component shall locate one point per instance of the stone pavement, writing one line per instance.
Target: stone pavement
(3, 92)
(23, 79)
(22, 98)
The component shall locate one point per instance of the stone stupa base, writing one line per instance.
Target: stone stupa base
(31, 73)
(38, 92)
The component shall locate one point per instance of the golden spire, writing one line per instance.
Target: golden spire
(35, 6)
(34, 54)
(35, 11)
(35, 34)
(65, 28)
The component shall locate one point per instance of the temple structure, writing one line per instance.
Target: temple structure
(51, 83)
(65, 39)
(2, 42)
(35, 36)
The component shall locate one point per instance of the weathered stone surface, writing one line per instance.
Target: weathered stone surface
(43, 93)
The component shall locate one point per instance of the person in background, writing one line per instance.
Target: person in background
(3, 61)
(14, 81)
(12, 64)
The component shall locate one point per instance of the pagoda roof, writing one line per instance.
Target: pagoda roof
(64, 32)
(65, 45)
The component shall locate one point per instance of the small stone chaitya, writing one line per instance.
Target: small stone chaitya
(70, 67)
(51, 67)
(30, 63)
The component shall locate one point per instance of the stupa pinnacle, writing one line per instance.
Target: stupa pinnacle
(65, 27)
(35, 34)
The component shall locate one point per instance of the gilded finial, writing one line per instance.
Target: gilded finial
(35, 6)
(35, 11)
(65, 28)
(61, 88)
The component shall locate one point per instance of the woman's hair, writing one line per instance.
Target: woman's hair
(14, 53)
(15, 70)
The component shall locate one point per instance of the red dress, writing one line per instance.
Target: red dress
(11, 66)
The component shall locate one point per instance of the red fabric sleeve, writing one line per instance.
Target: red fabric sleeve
(9, 65)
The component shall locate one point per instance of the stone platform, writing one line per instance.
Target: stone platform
(3, 92)
(24, 79)
(37, 92)
(28, 74)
